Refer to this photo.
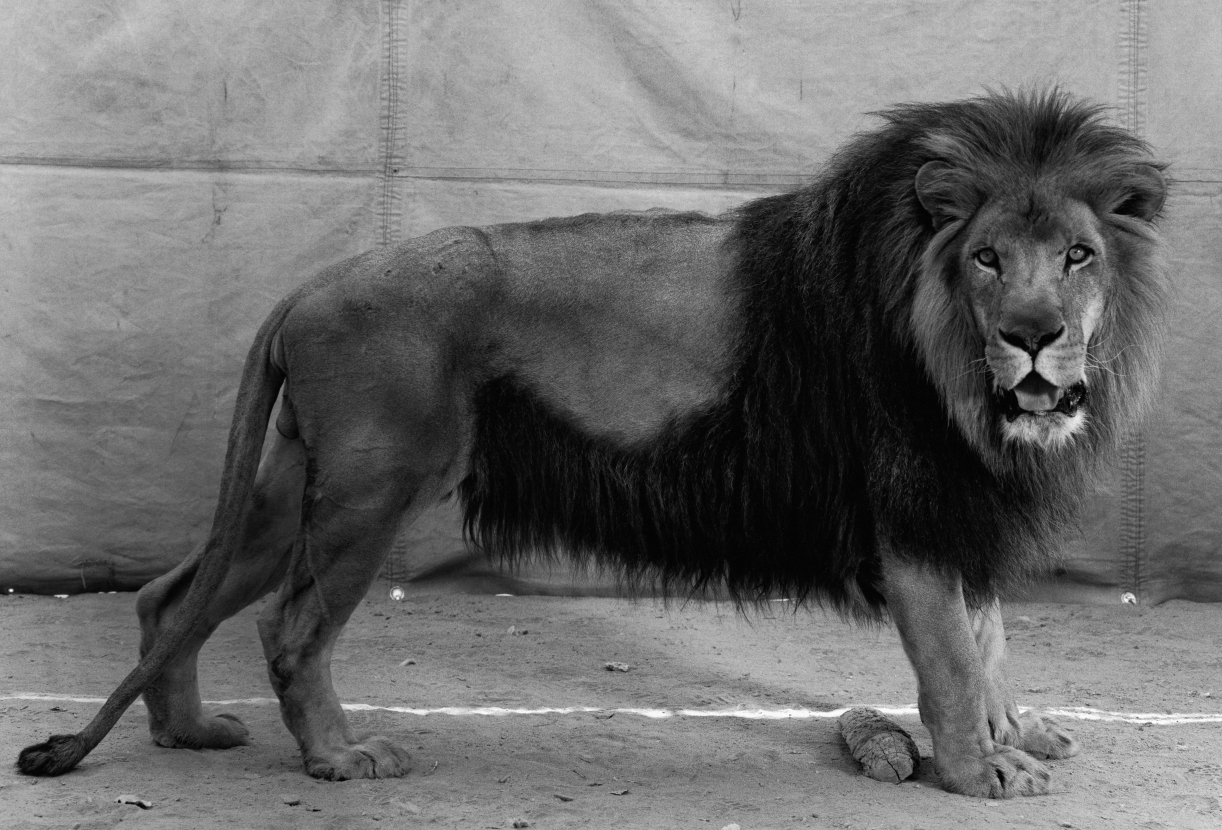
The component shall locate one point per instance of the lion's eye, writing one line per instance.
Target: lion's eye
(1078, 255)
(986, 258)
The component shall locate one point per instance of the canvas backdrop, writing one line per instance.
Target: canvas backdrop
(168, 170)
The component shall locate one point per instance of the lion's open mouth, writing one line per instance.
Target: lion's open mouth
(1036, 397)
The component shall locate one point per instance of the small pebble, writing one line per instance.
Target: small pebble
(616, 666)
(291, 799)
(521, 822)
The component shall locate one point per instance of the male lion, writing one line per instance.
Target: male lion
(887, 390)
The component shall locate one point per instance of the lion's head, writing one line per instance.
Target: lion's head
(1038, 308)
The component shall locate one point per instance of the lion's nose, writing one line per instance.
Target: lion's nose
(1031, 334)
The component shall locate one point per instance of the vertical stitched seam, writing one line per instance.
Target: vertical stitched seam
(1132, 94)
(388, 208)
(388, 203)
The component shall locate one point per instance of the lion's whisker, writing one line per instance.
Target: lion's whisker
(1093, 363)
(979, 366)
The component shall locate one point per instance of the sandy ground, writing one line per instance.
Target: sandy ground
(610, 769)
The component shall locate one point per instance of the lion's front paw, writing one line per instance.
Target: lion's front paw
(374, 757)
(223, 731)
(1043, 737)
(1006, 773)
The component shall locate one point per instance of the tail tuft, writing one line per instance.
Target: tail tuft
(59, 754)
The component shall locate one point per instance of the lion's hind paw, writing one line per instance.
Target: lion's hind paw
(1043, 737)
(374, 757)
(223, 731)
(1006, 773)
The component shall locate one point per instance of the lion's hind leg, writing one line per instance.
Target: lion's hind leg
(1033, 732)
(176, 714)
(356, 500)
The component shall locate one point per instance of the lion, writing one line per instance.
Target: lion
(887, 392)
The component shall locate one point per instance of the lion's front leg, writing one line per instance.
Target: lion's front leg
(955, 693)
(1032, 732)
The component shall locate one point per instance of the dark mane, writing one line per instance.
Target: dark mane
(833, 438)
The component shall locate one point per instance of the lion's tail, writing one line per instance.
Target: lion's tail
(260, 384)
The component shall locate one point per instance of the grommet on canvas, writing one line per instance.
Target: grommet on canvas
(1128, 598)
(397, 594)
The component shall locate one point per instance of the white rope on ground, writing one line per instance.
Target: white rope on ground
(1084, 713)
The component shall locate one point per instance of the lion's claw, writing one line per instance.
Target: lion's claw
(374, 757)
(1006, 773)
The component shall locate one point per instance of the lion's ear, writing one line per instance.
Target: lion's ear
(1144, 194)
(941, 192)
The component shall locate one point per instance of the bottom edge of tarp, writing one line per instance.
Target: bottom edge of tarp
(477, 577)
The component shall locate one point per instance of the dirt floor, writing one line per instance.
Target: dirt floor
(607, 768)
